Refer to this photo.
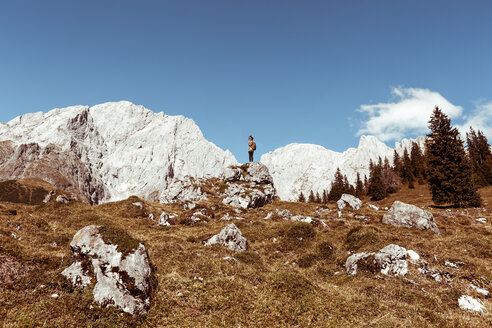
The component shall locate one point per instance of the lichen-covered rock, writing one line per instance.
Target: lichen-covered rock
(410, 216)
(230, 237)
(185, 190)
(121, 277)
(352, 201)
(389, 260)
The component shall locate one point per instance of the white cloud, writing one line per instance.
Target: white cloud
(480, 119)
(408, 116)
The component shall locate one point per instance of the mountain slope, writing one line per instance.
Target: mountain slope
(298, 168)
(109, 151)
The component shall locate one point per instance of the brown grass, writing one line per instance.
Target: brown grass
(298, 280)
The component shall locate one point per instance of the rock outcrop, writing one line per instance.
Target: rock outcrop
(230, 237)
(410, 216)
(248, 186)
(121, 277)
(389, 260)
(185, 190)
(350, 200)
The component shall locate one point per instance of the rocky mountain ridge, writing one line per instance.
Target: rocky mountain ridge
(111, 151)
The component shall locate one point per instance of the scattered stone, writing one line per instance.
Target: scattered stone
(164, 219)
(481, 291)
(55, 295)
(237, 211)
(362, 218)
(350, 200)
(410, 216)
(138, 204)
(15, 236)
(374, 207)
(410, 281)
(229, 258)
(189, 206)
(339, 214)
(389, 260)
(436, 275)
(151, 216)
(471, 304)
(268, 216)
(385, 208)
(413, 256)
(322, 210)
(48, 196)
(481, 220)
(228, 217)
(230, 237)
(275, 240)
(121, 279)
(62, 199)
(451, 265)
(54, 244)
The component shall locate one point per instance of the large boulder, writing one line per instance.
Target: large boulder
(121, 273)
(248, 186)
(410, 216)
(350, 200)
(257, 172)
(389, 260)
(230, 237)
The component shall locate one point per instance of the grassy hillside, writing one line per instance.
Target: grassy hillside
(293, 275)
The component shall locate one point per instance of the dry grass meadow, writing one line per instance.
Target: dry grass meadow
(293, 275)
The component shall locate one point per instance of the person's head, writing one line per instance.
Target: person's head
(250, 137)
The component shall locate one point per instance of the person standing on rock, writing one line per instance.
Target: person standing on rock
(252, 148)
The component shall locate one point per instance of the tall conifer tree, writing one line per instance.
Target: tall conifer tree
(449, 169)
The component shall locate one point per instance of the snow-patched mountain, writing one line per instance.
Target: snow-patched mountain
(109, 151)
(298, 168)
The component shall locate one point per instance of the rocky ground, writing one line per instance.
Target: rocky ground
(224, 252)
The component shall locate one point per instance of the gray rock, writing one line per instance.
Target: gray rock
(470, 304)
(138, 204)
(164, 219)
(62, 199)
(48, 196)
(121, 280)
(230, 237)
(350, 200)
(410, 216)
(258, 173)
(389, 260)
(231, 174)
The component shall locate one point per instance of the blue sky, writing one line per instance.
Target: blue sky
(318, 72)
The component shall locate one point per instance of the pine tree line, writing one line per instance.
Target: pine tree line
(453, 172)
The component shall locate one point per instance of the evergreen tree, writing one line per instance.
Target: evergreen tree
(366, 185)
(376, 189)
(449, 169)
(325, 197)
(317, 198)
(311, 198)
(480, 157)
(337, 187)
(397, 162)
(359, 186)
(302, 198)
(407, 170)
(417, 162)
